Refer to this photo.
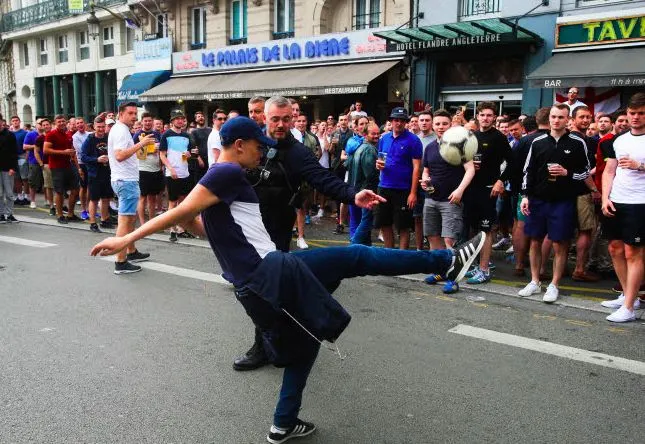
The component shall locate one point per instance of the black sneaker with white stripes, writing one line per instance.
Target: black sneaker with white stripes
(302, 428)
(465, 255)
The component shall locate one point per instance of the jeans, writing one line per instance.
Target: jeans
(332, 265)
(363, 232)
(6, 193)
(355, 215)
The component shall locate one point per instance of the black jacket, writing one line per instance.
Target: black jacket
(520, 153)
(570, 152)
(8, 151)
(293, 164)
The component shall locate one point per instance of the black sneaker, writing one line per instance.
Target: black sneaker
(94, 228)
(125, 268)
(465, 255)
(65, 209)
(340, 229)
(62, 220)
(107, 224)
(302, 428)
(113, 212)
(3, 220)
(137, 256)
(74, 218)
(185, 235)
(173, 237)
(11, 219)
(52, 211)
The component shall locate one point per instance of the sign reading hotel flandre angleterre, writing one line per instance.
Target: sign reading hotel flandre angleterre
(438, 43)
(601, 32)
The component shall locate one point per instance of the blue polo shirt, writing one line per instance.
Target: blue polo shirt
(401, 150)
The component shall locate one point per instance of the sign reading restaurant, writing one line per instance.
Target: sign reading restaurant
(288, 52)
(601, 32)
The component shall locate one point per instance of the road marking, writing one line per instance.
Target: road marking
(549, 348)
(178, 271)
(25, 242)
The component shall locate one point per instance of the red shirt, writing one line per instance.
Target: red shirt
(60, 141)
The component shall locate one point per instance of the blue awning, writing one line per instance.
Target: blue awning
(138, 83)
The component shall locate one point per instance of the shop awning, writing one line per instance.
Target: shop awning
(460, 34)
(311, 81)
(138, 83)
(606, 67)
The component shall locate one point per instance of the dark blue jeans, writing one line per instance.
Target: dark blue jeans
(355, 215)
(332, 265)
(363, 232)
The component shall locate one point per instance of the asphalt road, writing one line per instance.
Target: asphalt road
(87, 356)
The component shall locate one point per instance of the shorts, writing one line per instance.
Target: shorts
(178, 188)
(151, 183)
(628, 224)
(442, 219)
(586, 213)
(64, 179)
(395, 211)
(99, 188)
(48, 182)
(557, 219)
(128, 193)
(83, 179)
(519, 216)
(481, 209)
(23, 168)
(417, 211)
(35, 177)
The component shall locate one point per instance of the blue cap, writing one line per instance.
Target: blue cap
(243, 128)
(399, 113)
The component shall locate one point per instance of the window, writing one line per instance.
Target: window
(43, 52)
(129, 39)
(108, 41)
(284, 18)
(24, 54)
(468, 8)
(63, 56)
(83, 45)
(162, 25)
(367, 14)
(198, 34)
(238, 22)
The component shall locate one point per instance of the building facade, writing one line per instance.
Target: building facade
(7, 79)
(60, 66)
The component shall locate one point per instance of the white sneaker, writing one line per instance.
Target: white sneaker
(301, 243)
(320, 213)
(511, 250)
(551, 294)
(619, 302)
(32, 205)
(623, 314)
(530, 289)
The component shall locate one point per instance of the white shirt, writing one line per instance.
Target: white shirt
(120, 138)
(324, 146)
(297, 134)
(576, 104)
(78, 139)
(214, 142)
(629, 185)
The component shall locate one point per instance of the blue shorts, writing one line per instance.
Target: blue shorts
(557, 219)
(128, 193)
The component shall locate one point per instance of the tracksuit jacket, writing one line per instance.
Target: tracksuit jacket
(8, 151)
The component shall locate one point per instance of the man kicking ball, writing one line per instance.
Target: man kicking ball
(287, 295)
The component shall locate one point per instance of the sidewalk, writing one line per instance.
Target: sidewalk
(572, 294)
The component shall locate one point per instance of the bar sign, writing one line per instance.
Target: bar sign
(75, 6)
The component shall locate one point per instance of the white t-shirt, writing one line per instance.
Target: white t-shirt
(629, 185)
(214, 142)
(297, 134)
(78, 139)
(120, 138)
(324, 146)
(576, 104)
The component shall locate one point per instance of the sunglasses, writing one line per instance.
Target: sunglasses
(222, 119)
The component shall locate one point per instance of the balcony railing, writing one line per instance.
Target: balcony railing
(44, 12)
(470, 8)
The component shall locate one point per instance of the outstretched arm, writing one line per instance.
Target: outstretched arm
(185, 214)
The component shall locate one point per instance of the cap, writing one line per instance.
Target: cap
(176, 113)
(243, 128)
(399, 113)
(110, 122)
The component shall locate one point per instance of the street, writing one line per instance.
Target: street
(88, 356)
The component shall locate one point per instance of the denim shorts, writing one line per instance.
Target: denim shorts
(128, 193)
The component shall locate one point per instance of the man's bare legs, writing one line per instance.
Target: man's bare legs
(628, 265)
(125, 226)
(561, 250)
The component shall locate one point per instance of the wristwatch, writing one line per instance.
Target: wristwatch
(641, 167)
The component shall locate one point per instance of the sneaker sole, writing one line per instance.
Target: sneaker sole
(126, 271)
(465, 267)
(134, 261)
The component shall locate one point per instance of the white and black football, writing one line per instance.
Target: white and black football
(458, 145)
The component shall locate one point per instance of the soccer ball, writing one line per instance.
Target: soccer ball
(458, 145)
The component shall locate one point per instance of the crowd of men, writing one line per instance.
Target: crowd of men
(536, 181)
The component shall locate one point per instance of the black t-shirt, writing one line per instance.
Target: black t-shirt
(200, 140)
(495, 149)
(445, 177)
(97, 147)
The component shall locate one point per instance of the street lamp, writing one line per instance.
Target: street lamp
(93, 25)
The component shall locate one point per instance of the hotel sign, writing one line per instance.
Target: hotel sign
(438, 43)
(600, 32)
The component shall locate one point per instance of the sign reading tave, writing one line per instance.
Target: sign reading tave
(601, 32)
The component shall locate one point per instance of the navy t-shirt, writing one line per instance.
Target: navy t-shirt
(234, 226)
(445, 177)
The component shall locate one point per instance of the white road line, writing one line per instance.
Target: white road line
(178, 271)
(25, 242)
(576, 354)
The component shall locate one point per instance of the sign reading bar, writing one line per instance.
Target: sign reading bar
(330, 47)
(601, 32)
(637, 80)
(75, 6)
